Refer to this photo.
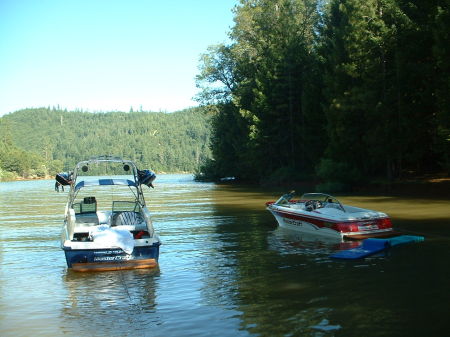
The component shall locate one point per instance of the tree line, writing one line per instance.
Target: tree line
(349, 91)
(41, 142)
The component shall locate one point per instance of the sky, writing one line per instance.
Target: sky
(106, 55)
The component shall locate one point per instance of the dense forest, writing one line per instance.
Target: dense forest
(344, 91)
(42, 142)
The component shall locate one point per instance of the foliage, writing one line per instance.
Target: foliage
(228, 143)
(338, 176)
(380, 88)
(341, 88)
(40, 142)
(441, 53)
(266, 82)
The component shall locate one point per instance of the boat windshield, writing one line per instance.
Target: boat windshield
(324, 199)
(319, 196)
(285, 198)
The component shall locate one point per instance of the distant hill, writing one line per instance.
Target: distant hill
(169, 142)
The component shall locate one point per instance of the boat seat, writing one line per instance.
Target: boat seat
(87, 219)
(104, 217)
(127, 219)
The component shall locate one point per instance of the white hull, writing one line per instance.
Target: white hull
(323, 215)
(306, 227)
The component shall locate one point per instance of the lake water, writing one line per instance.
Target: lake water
(226, 269)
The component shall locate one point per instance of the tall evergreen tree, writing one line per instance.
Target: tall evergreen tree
(441, 53)
(268, 74)
(379, 87)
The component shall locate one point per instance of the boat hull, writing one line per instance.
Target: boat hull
(112, 258)
(326, 227)
(303, 225)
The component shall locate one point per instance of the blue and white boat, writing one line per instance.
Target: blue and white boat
(107, 224)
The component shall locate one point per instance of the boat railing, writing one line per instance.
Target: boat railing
(128, 165)
(148, 221)
(70, 223)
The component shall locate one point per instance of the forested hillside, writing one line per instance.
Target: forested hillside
(349, 91)
(39, 142)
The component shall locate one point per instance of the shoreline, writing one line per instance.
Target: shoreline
(52, 177)
(436, 185)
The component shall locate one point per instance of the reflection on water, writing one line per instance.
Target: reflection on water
(226, 269)
(287, 241)
(122, 303)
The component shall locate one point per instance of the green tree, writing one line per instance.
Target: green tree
(441, 53)
(268, 74)
(379, 87)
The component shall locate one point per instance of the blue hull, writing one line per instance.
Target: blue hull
(108, 258)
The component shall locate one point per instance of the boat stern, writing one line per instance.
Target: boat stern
(104, 259)
(373, 228)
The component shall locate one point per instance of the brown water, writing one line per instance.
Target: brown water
(226, 269)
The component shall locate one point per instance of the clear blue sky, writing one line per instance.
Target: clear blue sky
(102, 55)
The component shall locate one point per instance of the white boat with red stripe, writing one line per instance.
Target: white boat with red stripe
(324, 215)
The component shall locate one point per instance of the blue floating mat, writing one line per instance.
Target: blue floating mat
(373, 246)
(368, 247)
(399, 240)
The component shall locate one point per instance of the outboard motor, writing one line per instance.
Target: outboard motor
(63, 179)
(146, 177)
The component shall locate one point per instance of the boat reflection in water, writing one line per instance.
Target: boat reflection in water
(289, 241)
(120, 304)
